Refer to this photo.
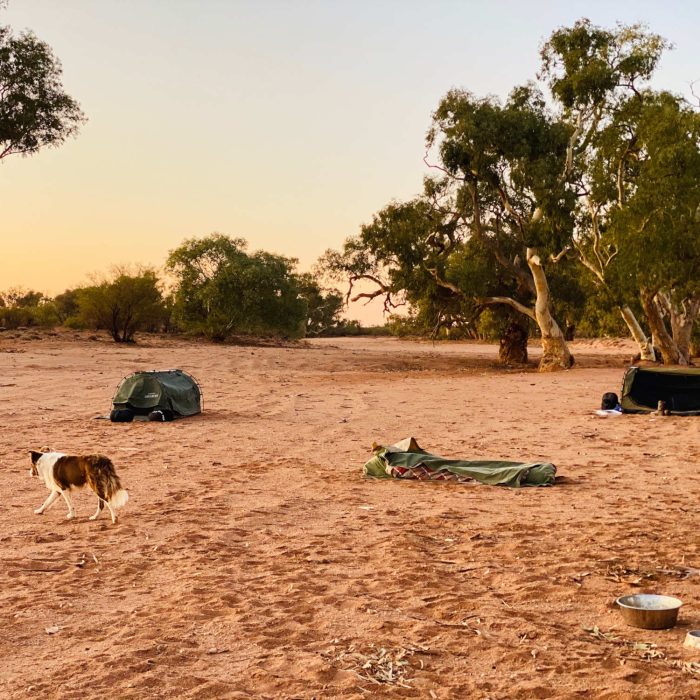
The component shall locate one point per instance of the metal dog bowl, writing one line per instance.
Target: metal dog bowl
(649, 611)
(692, 640)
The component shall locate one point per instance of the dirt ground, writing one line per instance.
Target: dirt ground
(254, 561)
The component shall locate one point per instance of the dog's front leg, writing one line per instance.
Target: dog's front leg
(47, 503)
(67, 499)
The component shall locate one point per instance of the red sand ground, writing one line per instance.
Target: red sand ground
(253, 561)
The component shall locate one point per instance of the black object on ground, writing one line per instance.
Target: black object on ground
(121, 415)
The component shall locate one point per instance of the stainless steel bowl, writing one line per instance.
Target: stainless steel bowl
(692, 640)
(649, 611)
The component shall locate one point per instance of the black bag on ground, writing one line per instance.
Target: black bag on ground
(162, 415)
(121, 415)
(609, 401)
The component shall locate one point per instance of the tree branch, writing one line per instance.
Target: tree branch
(382, 288)
(588, 264)
(556, 258)
(569, 162)
(443, 283)
(507, 301)
(440, 168)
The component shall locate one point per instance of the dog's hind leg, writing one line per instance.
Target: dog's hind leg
(47, 503)
(112, 512)
(67, 498)
(100, 506)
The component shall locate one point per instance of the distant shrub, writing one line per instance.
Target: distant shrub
(127, 303)
(66, 305)
(30, 316)
(222, 291)
(14, 317)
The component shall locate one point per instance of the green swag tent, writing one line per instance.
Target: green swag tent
(678, 387)
(406, 460)
(168, 390)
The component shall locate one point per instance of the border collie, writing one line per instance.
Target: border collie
(62, 472)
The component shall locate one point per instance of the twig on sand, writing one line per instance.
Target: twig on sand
(642, 651)
(39, 565)
(382, 666)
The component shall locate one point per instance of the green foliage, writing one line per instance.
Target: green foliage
(587, 66)
(324, 307)
(491, 325)
(408, 325)
(35, 111)
(658, 229)
(355, 328)
(66, 305)
(221, 290)
(17, 317)
(504, 162)
(634, 163)
(21, 307)
(611, 177)
(462, 245)
(389, 254)
(122, 305)
(20, 298)
(599, 319)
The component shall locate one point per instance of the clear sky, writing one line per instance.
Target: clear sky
(287, 123)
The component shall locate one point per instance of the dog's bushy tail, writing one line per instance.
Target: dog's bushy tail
(104, 481)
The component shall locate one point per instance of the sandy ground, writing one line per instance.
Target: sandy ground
(253, 560)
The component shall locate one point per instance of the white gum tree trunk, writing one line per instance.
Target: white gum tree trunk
(555, 351)
(667, 346)
(646, 347)
(682, 313)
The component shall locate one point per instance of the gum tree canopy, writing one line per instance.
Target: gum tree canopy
(35, 111)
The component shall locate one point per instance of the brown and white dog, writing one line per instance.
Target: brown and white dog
(61, 473)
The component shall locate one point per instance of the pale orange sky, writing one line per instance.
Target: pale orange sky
(286, 123)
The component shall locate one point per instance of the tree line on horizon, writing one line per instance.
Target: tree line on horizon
(573, 205)
(215, 288)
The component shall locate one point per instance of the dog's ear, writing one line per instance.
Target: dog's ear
(35, 456)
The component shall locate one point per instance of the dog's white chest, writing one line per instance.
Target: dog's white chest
(45, 467)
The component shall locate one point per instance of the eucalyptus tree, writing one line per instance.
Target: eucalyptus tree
(493, 216)
(324, 306)
(35, 110)
(502, 169)
(221, 289)
(625, 139)
(415, 253)
(657, 230)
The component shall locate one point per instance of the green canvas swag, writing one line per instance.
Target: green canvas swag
(677, 387)
(405, 458)
(166, 390)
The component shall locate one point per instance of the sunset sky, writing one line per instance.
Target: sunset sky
(286, 123)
